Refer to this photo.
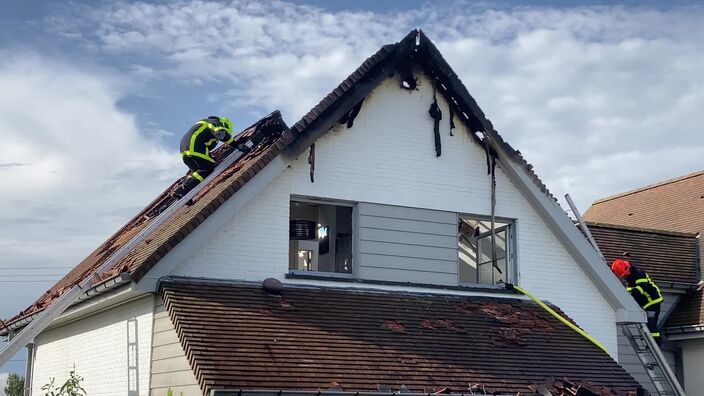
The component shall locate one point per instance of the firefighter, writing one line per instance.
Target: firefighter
(643, 290)
(196, 146)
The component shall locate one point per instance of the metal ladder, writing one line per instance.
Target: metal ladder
(653, 361)
(132, 358)
(268, 126)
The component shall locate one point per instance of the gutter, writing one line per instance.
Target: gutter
(94, 291)
(261, 392)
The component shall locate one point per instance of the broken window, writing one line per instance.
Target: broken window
(320, 237)
(475, 251)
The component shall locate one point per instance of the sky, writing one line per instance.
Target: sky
(600, 97)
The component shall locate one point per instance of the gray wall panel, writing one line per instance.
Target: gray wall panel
(407, 244)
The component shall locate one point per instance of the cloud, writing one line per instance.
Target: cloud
(76, 149)
(575, 89)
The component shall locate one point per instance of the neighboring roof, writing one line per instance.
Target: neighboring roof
(666, 256)
(689, 312)
(673, 205)
(238, 336)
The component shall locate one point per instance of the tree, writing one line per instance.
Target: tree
(15, 385)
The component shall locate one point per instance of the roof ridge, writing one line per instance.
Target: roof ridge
(648, 187)
(641, 229)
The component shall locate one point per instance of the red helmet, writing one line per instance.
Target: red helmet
(622, 268)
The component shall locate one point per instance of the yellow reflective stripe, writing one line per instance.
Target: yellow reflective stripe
(656, 334)
(211, 141)
(232, 139)
(653, 302)
(197, 154)
(642, 280)
(203, 125)
(197, 176)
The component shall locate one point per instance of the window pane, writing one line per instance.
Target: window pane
(320, 237)
(475, 251)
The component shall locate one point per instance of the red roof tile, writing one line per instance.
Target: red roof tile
(666, 256)
(238, 336)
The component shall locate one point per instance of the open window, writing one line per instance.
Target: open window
(475, 251)
(320, 237)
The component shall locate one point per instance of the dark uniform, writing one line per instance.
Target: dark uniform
(648, 296)
(196, 145)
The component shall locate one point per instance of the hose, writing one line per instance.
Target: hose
(561, 318)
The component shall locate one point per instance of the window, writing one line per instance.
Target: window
(475, 251)
(320, 237)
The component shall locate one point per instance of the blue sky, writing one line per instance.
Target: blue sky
(601, 98)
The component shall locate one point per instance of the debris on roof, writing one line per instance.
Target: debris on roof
(237, 334)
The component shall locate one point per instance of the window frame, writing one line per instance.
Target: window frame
(511, 244)
(355, 235)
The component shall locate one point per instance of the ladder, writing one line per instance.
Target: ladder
(132, 358)
(638, 335)
(652, 359)
(269, 126)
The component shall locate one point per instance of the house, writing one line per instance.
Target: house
(351, 252)
(660, 225)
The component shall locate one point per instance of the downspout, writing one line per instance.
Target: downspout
(29, 369)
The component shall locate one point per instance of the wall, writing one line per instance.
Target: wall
(407, 244)
(97, 346)
(388, 157)
(693, 363)
(170, 368)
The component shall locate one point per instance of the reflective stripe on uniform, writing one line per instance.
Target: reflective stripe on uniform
(197, 176)
(650, 299)
(656, 334)
(197, 154)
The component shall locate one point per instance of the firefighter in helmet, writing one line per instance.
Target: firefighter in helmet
(646, 293)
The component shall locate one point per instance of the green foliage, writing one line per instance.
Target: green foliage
(72, 386)
(15, 385)
(170, 392)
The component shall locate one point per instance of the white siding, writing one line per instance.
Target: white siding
(97, 346)
(170, 368)
(388, 157)
(693, 364)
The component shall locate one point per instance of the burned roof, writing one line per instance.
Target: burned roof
(670, 257)
(673, 205)
(689, 312)
(238, 336)
(174, 229)
(415, 48)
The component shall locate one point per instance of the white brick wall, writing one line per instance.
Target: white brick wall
(388, 157)
(97, 345)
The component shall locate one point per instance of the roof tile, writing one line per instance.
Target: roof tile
(238, 336)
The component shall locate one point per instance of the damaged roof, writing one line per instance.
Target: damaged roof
(667, 256)
(239, 336)
(414, 48)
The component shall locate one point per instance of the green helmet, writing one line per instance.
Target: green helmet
(226, 123)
